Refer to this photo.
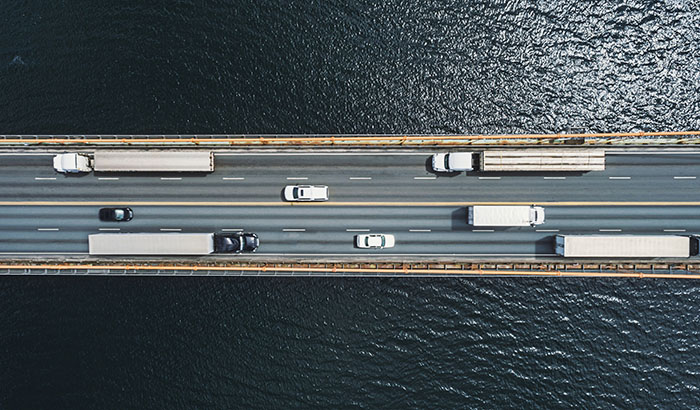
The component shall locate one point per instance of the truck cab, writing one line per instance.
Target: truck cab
(453, 161)
(72, 163)
(236, 243)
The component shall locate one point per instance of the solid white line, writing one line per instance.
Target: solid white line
(619, 177)
(44, 253)
(610, 230)
(171, 229)
(108, 229)
(554, 177)
(108, 179)
(293, 230)
(47, 229)
(674, 230)
(170, 179)
(44, 179)
(262, 255)
(233, 178)
(360, 178)
(482, 230)
(424, 177)
(319, 154)
(684, 177)
(232, 230)
(419, 230)
(297, 178)
(546, 230)
(489, 177)
(613, 152)
(357, 230)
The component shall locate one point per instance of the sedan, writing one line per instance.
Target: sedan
(116, 214)
(306, 193)
(374, 241)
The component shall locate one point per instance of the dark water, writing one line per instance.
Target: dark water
(348, 67)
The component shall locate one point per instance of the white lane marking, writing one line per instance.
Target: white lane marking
(674, 230)
(357, 230)
(360, 178)
(614, 152)
(47, 229)
(419, 230)
(684, 177)
(546, 230)
(263, 255)
(44, 179)
(489, 177)
(554, 177)
(170, 229)
(233, 178)
(44, 253)
(293, 230)
(170, 179)
(619, 177)
(318, 154)
(424, 177)
(108, 179)
(297, 178)
(109, 229)
(18, 154)
(232, 230)
(610, 230)
(482, 230)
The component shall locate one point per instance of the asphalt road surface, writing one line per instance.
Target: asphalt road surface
(62, 225)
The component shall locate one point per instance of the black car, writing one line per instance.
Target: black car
(116, 214)
(237, 242)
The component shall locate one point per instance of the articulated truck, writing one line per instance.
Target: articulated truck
(626, 246)
(542, 160)
(510, 215)
(171, 243)
(135, 161)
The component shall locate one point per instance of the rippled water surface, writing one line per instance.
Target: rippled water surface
(348, 67)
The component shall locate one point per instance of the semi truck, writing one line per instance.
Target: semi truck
(542, 160)
(135, 161)
(171, 243)
(511, 215)
(622, 246)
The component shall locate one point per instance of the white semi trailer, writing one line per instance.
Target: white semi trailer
(626, 246)
(533, 160)
(510, 215)
(171, 243)
(135, 161)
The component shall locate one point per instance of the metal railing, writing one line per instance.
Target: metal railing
(577, 270)
(363, 140)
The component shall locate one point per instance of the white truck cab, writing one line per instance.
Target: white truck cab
(453, 161)
(72, 163)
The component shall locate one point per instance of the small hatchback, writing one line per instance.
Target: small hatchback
(374, 241)
(116, 214)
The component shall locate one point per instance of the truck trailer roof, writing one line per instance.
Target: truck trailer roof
(154, 161)
(620, 246)
(151, 243)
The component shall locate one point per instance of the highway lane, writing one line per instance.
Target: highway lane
(329, 230)
(404, 177)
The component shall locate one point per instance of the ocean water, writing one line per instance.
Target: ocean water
(348, 67)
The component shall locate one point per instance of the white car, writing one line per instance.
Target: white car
(306, 193)
(453, 161)
(374, 241)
